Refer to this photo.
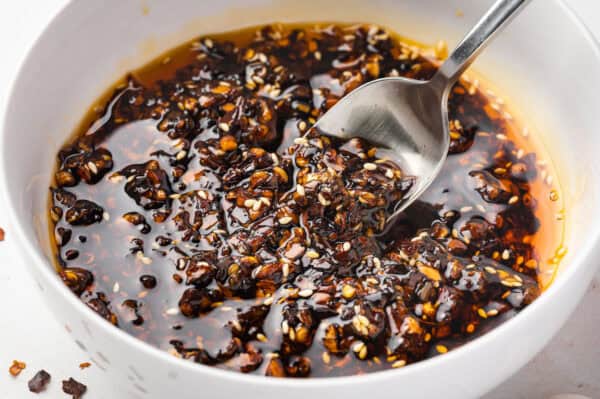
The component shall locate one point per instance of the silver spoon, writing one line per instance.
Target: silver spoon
(407, 118)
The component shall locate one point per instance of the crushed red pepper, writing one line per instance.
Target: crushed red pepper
(201, 214)
(16, 367)
(74, 388)
(39, 381)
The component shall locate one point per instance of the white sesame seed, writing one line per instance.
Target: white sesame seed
(180, 155)
(300, 190)
(269, 301)
(285, 220)
(370, 166)
(389, 174)
(300, 141)
(513, 200)
(265, 201)
(312, 254)
(249, 203)
(105, 216)
(261, 337)
(305, 293)
(172, 311)
(506, 254)
(92, 167)
(398, 364)
(224, 126)
(346, 246)
(116, 287)
(323, 200)
(202, 194)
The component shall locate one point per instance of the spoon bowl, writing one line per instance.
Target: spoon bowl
(407, 119)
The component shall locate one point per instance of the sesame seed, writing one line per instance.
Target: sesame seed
(399, 363)
(482, 313)
(490, 270)
(362, 354)
(326, 357)
(441, 348)
(389, 173)
(172, 311)
(269, 301)
(305, 293)
(285, 328)
(285, 220)
(249, 203)
(312, 254)
(370, 166)
(506, 254)
(513, 200)
(346, 246)
(358, 347)
(348, 291)
(105, 216)
(300, 190)
(323, 200)
(92, 167)
(116, 287)
(180, 155)
(261, 337)
(492, 312)
(300, 141)
(224, 127)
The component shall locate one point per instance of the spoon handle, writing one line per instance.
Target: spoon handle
(461, 58)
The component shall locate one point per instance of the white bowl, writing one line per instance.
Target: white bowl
(546, 63)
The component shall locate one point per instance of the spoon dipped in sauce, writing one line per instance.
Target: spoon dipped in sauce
(408, 118)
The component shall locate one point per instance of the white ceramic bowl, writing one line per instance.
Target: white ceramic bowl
(546, 63)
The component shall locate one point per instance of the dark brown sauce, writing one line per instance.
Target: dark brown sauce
(179, 215)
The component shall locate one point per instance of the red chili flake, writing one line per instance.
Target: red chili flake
(84, 365)
(74, 388)
(1, 234)
(16, 368)
(39, 381)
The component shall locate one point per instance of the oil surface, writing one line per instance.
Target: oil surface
(161, 192)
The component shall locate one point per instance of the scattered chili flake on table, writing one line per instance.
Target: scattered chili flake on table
(39, 381)
(16, 368)
(200, 212)
(85, 365)
(1, 234)
(74, 388)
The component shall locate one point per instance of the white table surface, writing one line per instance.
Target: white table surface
(570, 364)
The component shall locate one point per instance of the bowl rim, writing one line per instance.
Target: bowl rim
(51, 277)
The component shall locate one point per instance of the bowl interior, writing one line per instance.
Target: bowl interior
(538, 70)
(547, 75)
